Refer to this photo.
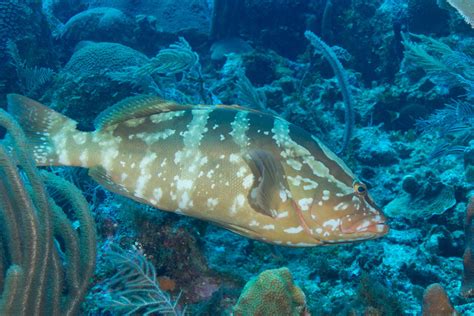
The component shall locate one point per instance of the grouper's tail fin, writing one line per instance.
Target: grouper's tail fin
(47, 131)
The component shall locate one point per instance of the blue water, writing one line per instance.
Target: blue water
(386, 85)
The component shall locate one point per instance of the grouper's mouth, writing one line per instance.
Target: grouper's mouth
(365, 227)
(355, 232)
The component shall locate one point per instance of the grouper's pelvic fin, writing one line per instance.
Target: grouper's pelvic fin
(53, 137)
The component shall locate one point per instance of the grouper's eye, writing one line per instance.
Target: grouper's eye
(360, 188)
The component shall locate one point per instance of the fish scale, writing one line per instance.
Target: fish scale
(250, 172)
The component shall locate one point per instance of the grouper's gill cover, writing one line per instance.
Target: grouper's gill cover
(250, 172)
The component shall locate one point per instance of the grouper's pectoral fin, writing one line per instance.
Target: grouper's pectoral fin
(269, 181)
(135, 107)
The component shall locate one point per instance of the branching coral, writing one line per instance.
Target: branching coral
(42, 276)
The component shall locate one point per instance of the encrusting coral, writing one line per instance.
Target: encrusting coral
(271, 293)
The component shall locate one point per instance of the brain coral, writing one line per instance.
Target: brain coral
(99, 58)
(184, 17)
(99, 24)
(87, 80)
(271, 293)
(23, 24)
(12, 16)
(22, 21)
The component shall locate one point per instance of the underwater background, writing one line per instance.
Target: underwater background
(388, 84)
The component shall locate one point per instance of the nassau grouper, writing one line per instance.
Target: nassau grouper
(250, 172)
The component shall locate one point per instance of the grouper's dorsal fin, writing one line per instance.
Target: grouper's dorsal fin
(135, 107)
(269, 181)
(237, 108)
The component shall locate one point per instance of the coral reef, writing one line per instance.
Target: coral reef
(408, 67)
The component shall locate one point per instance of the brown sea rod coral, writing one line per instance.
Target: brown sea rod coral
(45, 263)
(467, 287)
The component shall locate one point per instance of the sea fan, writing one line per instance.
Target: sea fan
(454, 125)
(248, 94)
(179, 57)
(30, 78)
(134, 288)
(446, 66)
